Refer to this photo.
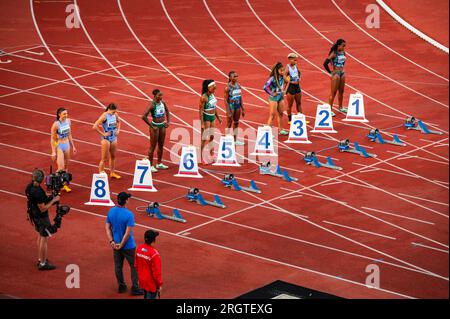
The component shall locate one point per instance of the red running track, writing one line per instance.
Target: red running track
(372, 212)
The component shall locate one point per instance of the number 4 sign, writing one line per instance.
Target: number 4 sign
(355, 111)
(142, 180)
(227, 153)
(188, 163)
(264, 142)
(100, 191)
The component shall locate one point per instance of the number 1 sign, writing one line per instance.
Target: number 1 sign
(355, 111)
(142, 180)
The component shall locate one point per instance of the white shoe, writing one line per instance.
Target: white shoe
(332, 114)
(161, 166)
(240, 143)
(153, 169)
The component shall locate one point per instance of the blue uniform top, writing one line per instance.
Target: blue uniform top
(110, 124)
(63, 129)
(339, 59)
(120, 218)
(234, 95)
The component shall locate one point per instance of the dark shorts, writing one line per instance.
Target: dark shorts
(41, 224)
(294, 89)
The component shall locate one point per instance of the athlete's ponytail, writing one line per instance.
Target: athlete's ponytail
(274, 72)
(336, 45)
(111, 106)
(205, 85)
(59, 111)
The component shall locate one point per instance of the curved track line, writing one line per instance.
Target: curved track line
(408, 26)
(384, 45)
(364, 64)
(308, 221)
(320, 69)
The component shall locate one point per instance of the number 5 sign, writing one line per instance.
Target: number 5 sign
(142, 180)
(227, 153)
(355, 111)
(100, 191)
(188, 163)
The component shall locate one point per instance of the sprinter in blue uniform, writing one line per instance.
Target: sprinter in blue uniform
(108, 126)
(235, 106)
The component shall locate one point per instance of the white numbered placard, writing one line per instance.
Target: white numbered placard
(188, 163)
(264, 144)
(226, 154)
(298, 132)
(142, 180)
(100, 195)
(355, 110)
(324, 120)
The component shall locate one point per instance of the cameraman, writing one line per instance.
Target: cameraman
(38, 205)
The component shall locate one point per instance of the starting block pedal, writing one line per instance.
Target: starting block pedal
(194, 195)
(344, 146)
(375, 136)
(265, 169)
(310, 158)
(230, 181)
(412, 124)
(154, 211)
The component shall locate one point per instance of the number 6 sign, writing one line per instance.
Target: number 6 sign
(188, 163)
(142, 180)
(100, 191)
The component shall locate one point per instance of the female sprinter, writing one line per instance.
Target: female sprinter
(293, 91)
(276, 100)
(61, 140)
(160, 121)
(235, 106)
(110, 122)
(337, 57)
(208, 113)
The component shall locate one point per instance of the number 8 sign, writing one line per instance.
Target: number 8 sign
(188, 163)
(142, 180)
(100, 191)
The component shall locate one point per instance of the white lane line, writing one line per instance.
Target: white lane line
(417, 157)
(397, 215)
(311, 195)
(241, 252)
(389, 171)
(429, 247)
(414, 30)
(384, 45)
(424, 199)
(82, 54)
(360, 230)
(368, 66)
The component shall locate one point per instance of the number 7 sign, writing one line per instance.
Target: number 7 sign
(142, 180)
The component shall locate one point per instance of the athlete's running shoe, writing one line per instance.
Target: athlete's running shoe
(114, 175)
(332, 114)
(67, 189)
(153, 169)
(343, 109)
(284, 132)
(240, 143)
(161, 166)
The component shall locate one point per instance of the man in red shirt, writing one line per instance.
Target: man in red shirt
(148, 266)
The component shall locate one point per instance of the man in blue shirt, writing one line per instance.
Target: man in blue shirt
(119, 225)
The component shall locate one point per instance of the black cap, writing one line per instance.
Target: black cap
(122, 197)
(150, 236)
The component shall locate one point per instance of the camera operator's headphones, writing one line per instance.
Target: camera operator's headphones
(38, 175)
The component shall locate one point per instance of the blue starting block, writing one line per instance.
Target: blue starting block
(310, 158)
(194, 195)
(266, 169)
(412, 124)
(375, 136)
(154, 211)
(230, 181)
(344, 146)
